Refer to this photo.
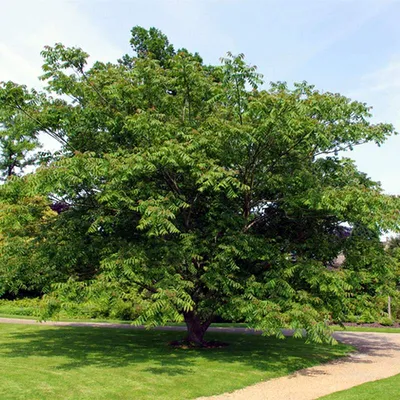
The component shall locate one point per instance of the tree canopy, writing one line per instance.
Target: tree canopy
(193, 190)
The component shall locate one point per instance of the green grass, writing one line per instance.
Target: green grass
(118, 321)
(365, 329)
(45, 362)
(111, 321)
(385, 389)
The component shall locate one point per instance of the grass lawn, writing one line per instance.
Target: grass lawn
(385, 389)
(367, 329)
(119, 321)
(46, 362)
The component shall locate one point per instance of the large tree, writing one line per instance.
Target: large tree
(198, 193)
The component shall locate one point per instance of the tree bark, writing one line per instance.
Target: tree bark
(196, 328)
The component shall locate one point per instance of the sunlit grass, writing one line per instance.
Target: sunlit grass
(385, 389)
(387, 329)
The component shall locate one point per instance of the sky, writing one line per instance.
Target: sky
(347, 46)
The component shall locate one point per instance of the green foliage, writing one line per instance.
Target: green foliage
(151, 43)
(386, 321)
(22, 258)
(18, 129)
(192, 192)
(97, 299)
(372, 274)
(110, 309)
(367, 317)
(393, 252)
(24, 307)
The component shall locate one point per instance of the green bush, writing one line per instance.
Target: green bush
(106, 309)
(24, 307)
(352, 318)
(386, 321)
(124, 310)
(367, 318)
(84, 311)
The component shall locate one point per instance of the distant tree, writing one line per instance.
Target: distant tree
(197, 193)
(392, 248)
(18, 131)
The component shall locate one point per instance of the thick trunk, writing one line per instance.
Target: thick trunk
(196, 328)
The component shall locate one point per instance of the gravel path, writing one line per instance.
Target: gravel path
(378, 357)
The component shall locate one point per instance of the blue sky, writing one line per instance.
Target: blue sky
(346, 46)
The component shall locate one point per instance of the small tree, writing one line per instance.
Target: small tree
(198, 194)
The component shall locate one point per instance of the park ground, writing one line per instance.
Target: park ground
(70, 362)
(75, 362)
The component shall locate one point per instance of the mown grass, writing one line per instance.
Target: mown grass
(45, 362)
(367, 329)
(118, 321)
(385, 389)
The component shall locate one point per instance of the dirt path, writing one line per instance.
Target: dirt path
(378, 357)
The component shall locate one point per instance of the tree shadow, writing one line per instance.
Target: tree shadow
(370, 344)
(77, 347)
(168, 371)
(367, 345)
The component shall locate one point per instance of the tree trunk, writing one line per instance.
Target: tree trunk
(196, 328)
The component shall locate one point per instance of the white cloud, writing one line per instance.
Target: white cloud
(15, 66)
(326, 34)
(27, 26)
(381, 90)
